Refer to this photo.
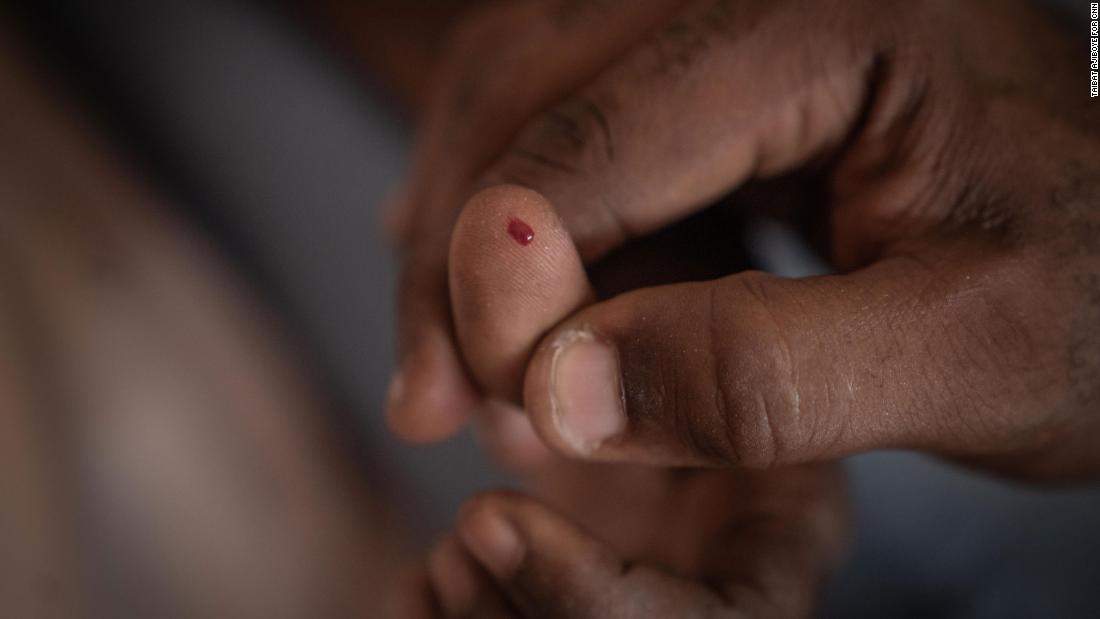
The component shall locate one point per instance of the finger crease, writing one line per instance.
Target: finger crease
(548, 162)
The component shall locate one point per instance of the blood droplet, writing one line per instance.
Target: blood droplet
(520, 231)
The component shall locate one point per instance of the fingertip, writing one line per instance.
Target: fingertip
(504, 222)
(429, 397)
(425, 419)
(488, 532)
(514, 273)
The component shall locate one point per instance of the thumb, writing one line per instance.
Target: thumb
(754, 370)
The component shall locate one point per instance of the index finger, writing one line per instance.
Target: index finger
(486, 94)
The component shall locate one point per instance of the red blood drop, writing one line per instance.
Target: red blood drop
(520, 231)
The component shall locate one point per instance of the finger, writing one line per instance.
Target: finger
(461, 585)
(718, 96)
(756, 371)
(479, 108)
(513, 274)
(485, 91)
(549, 568)
(430, 397)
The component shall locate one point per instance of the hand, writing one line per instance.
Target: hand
(965, 320)
(688, 544)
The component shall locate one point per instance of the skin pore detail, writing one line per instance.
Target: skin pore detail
(1077, 198)
(520, 231)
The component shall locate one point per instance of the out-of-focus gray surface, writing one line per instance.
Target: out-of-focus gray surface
(934, 541)
(297, 158)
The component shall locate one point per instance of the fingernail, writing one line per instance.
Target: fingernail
(493, 541)
(396, 391)
(586, 391)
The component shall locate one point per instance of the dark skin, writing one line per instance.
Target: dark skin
(610, 539)
(373, 34)
(956, 155)
(682, 544)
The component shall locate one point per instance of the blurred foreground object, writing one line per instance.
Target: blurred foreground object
(161, 455)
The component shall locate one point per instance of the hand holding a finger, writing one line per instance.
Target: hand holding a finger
(963, 319)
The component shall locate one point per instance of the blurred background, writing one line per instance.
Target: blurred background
(196, 310)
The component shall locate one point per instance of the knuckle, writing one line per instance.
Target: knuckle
(569, 141)
(756, 395)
